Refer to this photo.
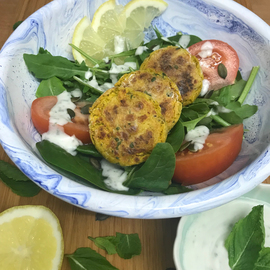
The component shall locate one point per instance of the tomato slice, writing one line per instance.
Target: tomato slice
(219, 152)
(40, 110)
(209, 59)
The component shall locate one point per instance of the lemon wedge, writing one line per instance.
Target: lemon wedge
(115, 28)
(30, 238)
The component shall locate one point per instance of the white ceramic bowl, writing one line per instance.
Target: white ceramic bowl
(52, 26)
(212, 228)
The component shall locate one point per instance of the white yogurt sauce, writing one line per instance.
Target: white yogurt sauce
(156, 48)
(116, 69)
(140, 50)
(60, 116)
(206, 50)
(57, 136)
(197, 136)
(106, 59)
(205, 87)
(203, 247)
(88, 74)
(184, 41)
(115, 176)
(119, 44)
(77, 93)
(58, 113)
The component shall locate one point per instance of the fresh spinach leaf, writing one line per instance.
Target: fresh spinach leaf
(57, 156)
(192, 124)
(17, 181)
(45, 66)
(263, 263)
(88, 259)
(246, 240)
(107, 243)
(231, 118)
(89, 149)
(50, 87)
(176, 136)
(175, 188)
(156, 173)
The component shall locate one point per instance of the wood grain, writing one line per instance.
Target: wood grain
(157, 236)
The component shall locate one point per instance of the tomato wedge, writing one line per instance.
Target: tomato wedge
(210, 54)
(219, 152)
(40, 117)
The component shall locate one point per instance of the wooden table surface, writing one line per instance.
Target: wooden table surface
(157, 236)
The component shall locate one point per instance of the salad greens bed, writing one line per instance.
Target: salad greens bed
(58, 74)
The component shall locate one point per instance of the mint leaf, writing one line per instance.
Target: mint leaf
(263, 262)
(88, 259)
(17, 181)
(246, 240)
(125, 245)
(128, 245)
(107, 243)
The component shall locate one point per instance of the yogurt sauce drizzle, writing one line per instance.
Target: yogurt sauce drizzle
(115, 176)
(59, 117)
(197, 136)
(203, 247)
(206, 50)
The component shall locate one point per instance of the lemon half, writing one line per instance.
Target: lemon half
(30, 238)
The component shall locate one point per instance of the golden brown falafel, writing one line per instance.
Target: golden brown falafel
(161, 88)
(125, 125)
(180, 66)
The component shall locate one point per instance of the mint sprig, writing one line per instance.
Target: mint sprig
(245, 244)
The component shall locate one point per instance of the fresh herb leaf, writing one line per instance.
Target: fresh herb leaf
(263, 263)
(57, 156)
(16, 24)
(88, 259)
(106, 243)
(192, 124)
(125, 245)
(128, 245)
(101, 217)
(156, 173)
(175, 188)
(17, 181)
(45, 66)
(89, 149)
(50, 87)
(246, 240)
(176, 136)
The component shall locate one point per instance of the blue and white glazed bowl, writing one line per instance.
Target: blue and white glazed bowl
(52, 27)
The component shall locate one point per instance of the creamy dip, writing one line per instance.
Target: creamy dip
(203, 241)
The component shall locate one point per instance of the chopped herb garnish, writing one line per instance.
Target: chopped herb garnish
(153, 79)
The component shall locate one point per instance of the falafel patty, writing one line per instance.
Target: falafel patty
(125, 125)
(161, 88)
(180, 66)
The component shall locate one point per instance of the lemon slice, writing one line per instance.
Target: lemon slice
(30, 238)
(115, 28)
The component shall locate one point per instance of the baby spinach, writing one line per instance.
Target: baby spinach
(176, 136)
(50, 87)
(246, 240)
(89, 150)
(157, 171)
(57, 156)
(19, 183)
(175, 188)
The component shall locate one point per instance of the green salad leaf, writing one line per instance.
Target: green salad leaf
(51, 87)
(125, 245)
(263, 263)
(246, 240)
(176, 136)
(176, 188)
(88, 259)
(58, 157)
(19, 183)
(157, 171)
